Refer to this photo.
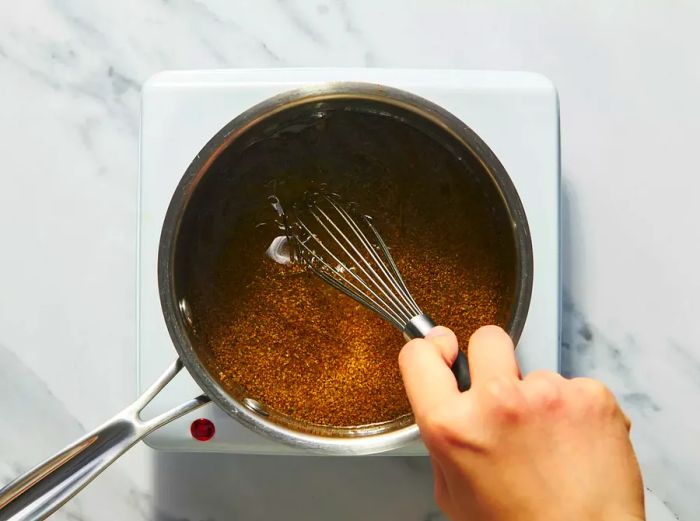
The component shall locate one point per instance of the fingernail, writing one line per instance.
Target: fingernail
(435, 333)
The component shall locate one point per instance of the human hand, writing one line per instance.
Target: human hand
(538, 448)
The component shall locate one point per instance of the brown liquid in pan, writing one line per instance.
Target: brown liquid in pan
(284, 337)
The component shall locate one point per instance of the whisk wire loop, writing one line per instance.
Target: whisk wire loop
(366, 296)
(373, 276)
(391, 272)
(352, 257)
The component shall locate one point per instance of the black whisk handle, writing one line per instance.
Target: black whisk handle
(460, 368)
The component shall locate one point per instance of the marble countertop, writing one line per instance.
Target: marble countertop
(70, 75)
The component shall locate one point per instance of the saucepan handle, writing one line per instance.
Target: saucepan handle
(43, 489)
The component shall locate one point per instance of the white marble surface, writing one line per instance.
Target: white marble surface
(70, 72)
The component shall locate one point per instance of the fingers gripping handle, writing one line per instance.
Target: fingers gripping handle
(418, 327)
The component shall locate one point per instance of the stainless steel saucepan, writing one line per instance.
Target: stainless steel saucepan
(43, 489)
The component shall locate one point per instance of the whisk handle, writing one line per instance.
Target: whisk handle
(460, 368)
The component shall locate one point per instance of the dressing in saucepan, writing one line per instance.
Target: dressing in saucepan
(270, 328)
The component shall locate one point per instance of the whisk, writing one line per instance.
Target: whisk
(343, 248)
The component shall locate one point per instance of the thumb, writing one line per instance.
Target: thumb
(425, 368)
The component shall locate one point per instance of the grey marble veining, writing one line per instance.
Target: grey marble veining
(70, 75)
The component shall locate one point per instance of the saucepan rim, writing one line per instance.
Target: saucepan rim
(249, 416)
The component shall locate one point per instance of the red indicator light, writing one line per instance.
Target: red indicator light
(202, 429)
